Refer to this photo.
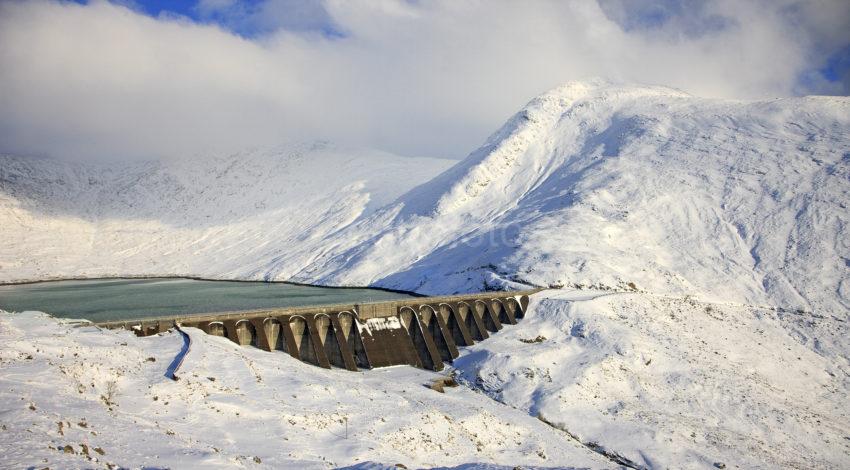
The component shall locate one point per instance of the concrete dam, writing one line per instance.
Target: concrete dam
(423, 332)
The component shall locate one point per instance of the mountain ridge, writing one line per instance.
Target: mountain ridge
(649, 186)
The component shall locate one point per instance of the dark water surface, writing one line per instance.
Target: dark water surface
(123, 299)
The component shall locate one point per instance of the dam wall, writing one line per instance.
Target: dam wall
(423, 332)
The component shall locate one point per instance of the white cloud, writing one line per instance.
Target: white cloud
(430, 78)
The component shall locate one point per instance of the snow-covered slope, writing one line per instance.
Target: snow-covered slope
(256, 214)
(595, 184)
(668, 382)
(236, 407)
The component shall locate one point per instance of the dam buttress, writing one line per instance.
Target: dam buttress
(423, 332)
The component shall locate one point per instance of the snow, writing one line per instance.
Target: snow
(222, 216)
(232, 404)
(596, 184)
(657, 381)
(675, 383)
(697, 252)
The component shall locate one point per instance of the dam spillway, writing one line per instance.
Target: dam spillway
(423, 332)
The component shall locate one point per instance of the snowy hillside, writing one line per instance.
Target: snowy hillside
(228, 216)
(594, 184)
(668, 382)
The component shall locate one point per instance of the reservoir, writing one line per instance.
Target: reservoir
(101, 300)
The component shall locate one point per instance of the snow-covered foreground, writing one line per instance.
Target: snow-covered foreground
(238, 407)
(648, 380)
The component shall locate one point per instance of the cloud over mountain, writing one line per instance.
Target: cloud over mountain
(432, 78)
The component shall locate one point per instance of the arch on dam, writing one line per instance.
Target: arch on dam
(431, 324)
(470, 317)
(501, 312)
(350, 332)
(523, 304)
(274, 332)
(246, 334)
(303, 345)
(491, 322)
(410, 322)
(330, 343)
(216, 328)
(514, 307)
(456, 326)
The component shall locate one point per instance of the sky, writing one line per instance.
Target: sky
(159, 79)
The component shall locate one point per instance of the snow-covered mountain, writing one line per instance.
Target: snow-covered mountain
(226, 216)
(590, 184)
(593, 184)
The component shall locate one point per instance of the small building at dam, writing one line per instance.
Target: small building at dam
(423, 332)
